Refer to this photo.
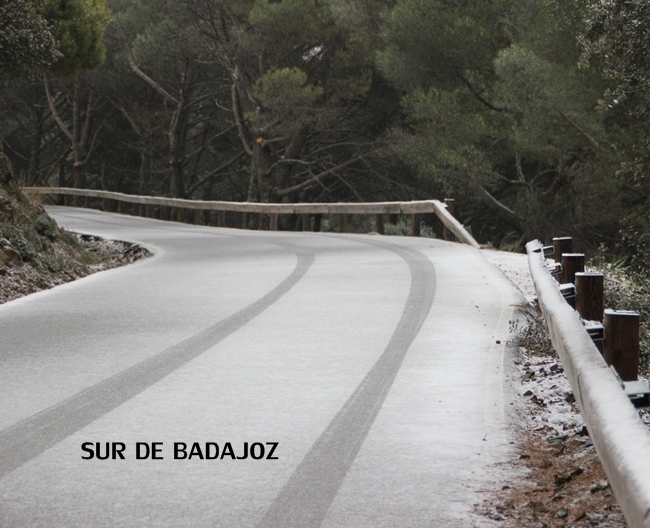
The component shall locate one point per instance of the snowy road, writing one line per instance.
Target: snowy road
(327, 380)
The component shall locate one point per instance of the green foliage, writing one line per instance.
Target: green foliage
(499, 113)
(443, 140)
(24, 242)
(288, 100)
(310, 37)
(617, 35)
(305, 91)
(291, 27)
(49, 263)
(26, 41)
(549, 27)
(550, 108)
(78, 26)
(359, 100)
(46, 227)
(528, 81)
(616, 40)
(627, 288)
(166, 41)
(603, 261)
(31, 233)
(438, 42)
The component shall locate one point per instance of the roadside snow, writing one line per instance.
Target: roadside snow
(515, 267)
(565, 484)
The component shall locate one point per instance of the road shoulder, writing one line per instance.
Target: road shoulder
(562, 482)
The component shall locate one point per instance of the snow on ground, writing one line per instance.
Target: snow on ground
(515, 267)
(564, 483)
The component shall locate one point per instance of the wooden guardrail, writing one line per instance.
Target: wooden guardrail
(621, 439)
(273, 209)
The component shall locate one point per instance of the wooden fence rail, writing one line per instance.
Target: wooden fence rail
(373, 208)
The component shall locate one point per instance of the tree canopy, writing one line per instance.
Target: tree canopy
(616, 34)
(532, 113)
(78, 27)
(26, 39)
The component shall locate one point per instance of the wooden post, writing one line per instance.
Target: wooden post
(148, 211)
(379, 224)
(622, 342)
(341, 219)
(572, 263)
(306, 221)
(562, 245)
(415, 225)
(589, 295)
(198, 216)
(273, 222)
(451, 206)
(244, 220)
(222, 219)
(120, 207)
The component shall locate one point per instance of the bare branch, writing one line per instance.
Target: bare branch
(240, 128)
(479, 97)
(591, 140)
(508, 214)
(85, 133)
(93, 141)
(148, 79)
(317, 178)
(128, 117)
(214, 172)
(55, 164)
(55, 114)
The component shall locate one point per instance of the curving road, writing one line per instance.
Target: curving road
(327, 380)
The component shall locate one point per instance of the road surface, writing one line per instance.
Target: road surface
(279, 379)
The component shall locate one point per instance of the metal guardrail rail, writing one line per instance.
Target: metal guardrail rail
(621, 439)
(415, 207)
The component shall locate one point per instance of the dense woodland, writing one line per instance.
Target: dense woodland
(533, 114)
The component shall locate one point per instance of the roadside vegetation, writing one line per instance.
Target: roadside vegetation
(532, 114)
(36, 254)
(627, 288)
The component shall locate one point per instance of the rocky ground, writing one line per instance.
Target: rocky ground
(21, 278)
(35, 254)
(564, 484)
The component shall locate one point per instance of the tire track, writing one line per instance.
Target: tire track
(310, 491)
(31, 437)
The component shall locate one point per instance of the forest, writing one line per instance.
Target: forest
(532, 114)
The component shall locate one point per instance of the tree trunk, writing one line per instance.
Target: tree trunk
(62, 181)
(261, 162)
(36, 145)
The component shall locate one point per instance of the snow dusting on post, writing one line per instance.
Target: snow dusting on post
(621, 439)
